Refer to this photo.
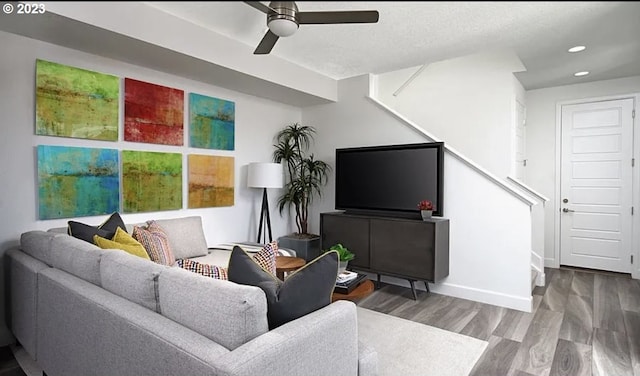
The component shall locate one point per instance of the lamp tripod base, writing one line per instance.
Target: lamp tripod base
(265, 219)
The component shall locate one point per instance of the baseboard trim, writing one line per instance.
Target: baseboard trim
(464, 292)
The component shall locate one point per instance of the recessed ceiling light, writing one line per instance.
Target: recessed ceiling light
(577, 49)
(583, 73)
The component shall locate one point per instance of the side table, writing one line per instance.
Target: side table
(286, 264)
(363, 290)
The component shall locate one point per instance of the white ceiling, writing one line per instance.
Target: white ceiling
(410, 34)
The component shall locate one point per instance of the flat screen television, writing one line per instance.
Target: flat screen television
(390, 180)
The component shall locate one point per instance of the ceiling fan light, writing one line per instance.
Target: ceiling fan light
(576, 49)
(282, 27)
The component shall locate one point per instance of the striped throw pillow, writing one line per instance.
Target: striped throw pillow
(206, 270)
(155, 242)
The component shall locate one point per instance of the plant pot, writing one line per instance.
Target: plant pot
(342, 266)
(426, 214)
(307, 248)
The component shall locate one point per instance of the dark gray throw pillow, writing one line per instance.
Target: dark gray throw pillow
(106, 230)
(304, 291)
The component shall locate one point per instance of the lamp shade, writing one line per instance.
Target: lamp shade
(265, 175)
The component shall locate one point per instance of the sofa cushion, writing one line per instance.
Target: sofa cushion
(123, 241)
(218, 257)
(156, 242)
(86, 330)
(131, 277)
(225, 312)
(265, 257)
(186, 236)
(37, 244)
(304, 291)
(106, 230)
(206, 270)
(77, 257)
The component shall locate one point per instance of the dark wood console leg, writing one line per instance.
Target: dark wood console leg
(378, 283)
(413, 289)
(426, 284)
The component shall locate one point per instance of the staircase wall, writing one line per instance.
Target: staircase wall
(490, 233)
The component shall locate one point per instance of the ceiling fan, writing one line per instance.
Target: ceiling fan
(283, 19)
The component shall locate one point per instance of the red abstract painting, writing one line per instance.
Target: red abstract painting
(153, 114)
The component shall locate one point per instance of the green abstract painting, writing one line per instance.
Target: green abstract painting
(211, 122)
(151, 181)
(77, 182)
(78, 103)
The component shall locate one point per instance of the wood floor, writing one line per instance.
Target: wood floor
(583, 323)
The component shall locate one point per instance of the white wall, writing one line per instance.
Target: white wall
(257, 121)
(489, 228)
(143, 22)
(542, 144)
(466, 101)
(519, 95)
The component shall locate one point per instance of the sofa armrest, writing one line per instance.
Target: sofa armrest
(324, 342)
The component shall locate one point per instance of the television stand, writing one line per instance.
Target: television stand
(412, 249)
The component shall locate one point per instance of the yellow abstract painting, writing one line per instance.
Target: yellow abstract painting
(211, 181)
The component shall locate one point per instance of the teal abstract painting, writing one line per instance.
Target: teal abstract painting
(211, 122)
(77, 182)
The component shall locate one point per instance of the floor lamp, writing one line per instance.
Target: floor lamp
(265, 175)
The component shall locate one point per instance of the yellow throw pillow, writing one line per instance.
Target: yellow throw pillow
(124, 241)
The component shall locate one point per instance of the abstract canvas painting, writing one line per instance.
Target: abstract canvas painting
(78, 103)
(77, 182)
(151, 181)
(211, 122)
(211, 181)
(153, 113)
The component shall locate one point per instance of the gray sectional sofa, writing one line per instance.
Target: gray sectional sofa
(80, 310)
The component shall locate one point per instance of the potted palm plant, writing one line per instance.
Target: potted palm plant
(304, 178)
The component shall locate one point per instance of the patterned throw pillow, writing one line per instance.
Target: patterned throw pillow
(266, 257)
(155, 242)
(206, 270)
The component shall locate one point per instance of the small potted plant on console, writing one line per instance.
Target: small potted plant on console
(344, 256)
(426, 209)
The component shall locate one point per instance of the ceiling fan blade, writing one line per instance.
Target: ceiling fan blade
(266, 44)
(358, 16)
(261, 7)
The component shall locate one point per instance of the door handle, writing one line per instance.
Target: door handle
(565, 210)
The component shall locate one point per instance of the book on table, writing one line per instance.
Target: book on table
(345, 287)
(346, 276)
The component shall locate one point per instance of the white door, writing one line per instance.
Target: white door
(596, 185)
(520, 161)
